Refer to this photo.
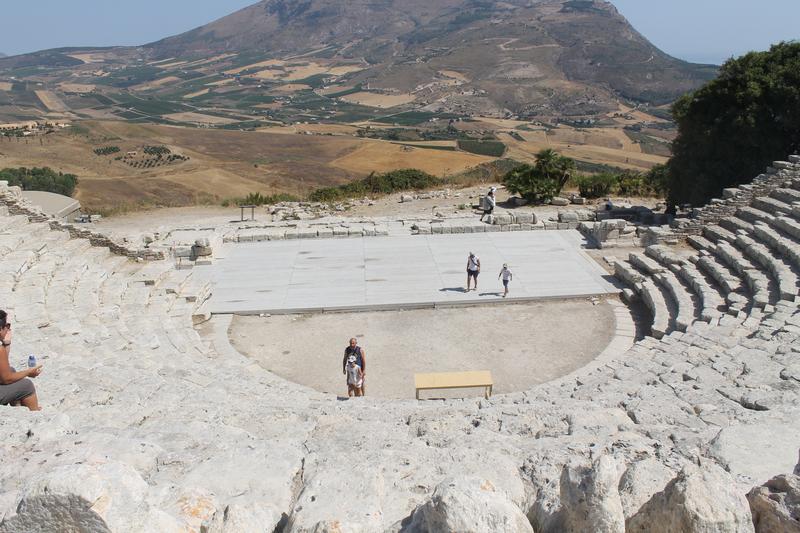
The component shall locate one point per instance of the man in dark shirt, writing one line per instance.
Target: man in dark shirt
(361, 360)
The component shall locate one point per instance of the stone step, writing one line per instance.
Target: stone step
(717, 234)
(785, 278)
(734, 224)
(700, 243)
(684, 304)
(788, 196)
(788, 226)
(712, 303)
(666, 255)
(756, 280)
(772, 206)
(752, 215)
(788, 248)
(728, 280)
(645, 264)
(654, 300)
(628, 274)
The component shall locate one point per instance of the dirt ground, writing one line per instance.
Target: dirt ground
(521, 344)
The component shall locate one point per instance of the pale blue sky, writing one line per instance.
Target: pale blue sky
(695, 30)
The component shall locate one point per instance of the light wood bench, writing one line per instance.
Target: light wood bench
(455, 380)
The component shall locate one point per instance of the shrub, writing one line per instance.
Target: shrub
(40, 179)
(542, 181)
(387, 183)
(597, 185)
(256, 198)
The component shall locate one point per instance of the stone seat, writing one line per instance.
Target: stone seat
(772, 206)
(785, 195)
(683, 301)
(735, 224)
(712, 303)
(753, 215)
(785, 279)
(655, 301)
(757, 281)
(785, 246)
(717, 234)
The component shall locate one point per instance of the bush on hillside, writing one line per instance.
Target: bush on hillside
(597, 185)
(408, 179)
(40, 179)
(543, 180)
(736, 125)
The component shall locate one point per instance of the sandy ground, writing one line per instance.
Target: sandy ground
(521, 344)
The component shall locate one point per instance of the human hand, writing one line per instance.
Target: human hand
(35, 371)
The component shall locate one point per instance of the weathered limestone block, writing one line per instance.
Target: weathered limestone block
(242, 518)
(776, 505)
(558, 201)
(590, 498)
(640, 482)
(698, 500)
(469, 504)
(81, 497)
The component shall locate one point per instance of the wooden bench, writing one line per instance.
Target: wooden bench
(455, 380)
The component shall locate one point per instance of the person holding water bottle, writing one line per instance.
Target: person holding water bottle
(15, 387)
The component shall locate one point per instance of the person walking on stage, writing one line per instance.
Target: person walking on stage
(507, 276)
(473, 269)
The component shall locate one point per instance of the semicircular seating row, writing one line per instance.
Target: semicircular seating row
(741, 268)
(149, 427)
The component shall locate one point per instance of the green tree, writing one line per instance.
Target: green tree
(543, 180)
(733, 127)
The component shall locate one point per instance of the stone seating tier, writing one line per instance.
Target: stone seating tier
(147, 427)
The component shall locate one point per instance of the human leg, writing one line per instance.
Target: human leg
(31, 402)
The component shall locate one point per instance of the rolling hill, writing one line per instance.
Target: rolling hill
(521, 57)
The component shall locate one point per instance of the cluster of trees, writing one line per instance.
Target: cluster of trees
(106, 150)
(736, 125)
(40, 179)
(156, 150)
(547, 177)
(729, 131)
(409, 179)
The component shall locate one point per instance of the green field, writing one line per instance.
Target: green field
(488, 148)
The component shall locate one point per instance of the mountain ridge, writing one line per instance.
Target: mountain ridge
(527, 58)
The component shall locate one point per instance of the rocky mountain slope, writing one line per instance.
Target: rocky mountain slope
(532, 58)
(525, 54)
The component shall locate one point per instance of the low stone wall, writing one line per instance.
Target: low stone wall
(277, 233)
(17, 205)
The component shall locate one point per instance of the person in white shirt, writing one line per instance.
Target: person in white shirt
(473, 269)
(507, 276)
(490, 203)
(355, 377)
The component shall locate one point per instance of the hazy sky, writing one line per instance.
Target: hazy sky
(696, 30)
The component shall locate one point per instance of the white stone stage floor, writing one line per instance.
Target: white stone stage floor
(373, 273)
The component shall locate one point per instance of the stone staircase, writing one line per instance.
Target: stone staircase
(147, 426)
(745, 264)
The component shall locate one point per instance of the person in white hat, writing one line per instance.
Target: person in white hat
(355, 377)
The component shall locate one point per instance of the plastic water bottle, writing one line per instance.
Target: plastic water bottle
(31, 361)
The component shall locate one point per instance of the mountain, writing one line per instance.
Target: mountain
(356, 60)
(525, 54)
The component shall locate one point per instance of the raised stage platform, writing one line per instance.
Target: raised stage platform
(405, 272)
